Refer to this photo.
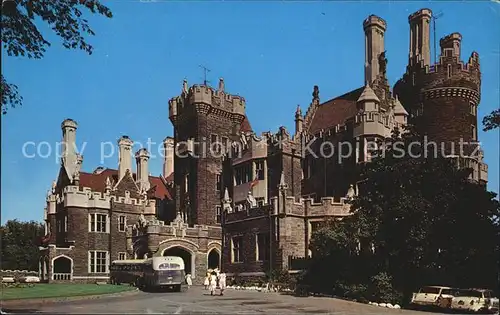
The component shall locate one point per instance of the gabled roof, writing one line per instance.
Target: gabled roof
(97, 182)
(335, 111)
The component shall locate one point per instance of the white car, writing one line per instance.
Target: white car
(433, 296)
(474, 300)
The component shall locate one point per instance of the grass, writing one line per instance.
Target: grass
(42, 290)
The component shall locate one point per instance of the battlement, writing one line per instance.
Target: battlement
(84, 197)
(420, 14)
(307, 207)
(200, 94)
(374, 21)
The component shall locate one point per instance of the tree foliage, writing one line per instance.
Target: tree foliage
(21, 36)
(492, 121)
(417, 221)
(20, 245)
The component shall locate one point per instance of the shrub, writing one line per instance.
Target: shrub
(382, 290)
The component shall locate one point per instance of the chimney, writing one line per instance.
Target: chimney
(420, 38)
(68, 148)
(168, 156)
(451, 43)
(374, 28)
(125, 157)
(142, 157)
(299, 121)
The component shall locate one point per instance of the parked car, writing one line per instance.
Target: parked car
(474, 300)
(433, 296)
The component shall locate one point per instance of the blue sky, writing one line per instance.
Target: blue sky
(272, 53)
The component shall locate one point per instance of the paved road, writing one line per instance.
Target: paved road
(198, 301)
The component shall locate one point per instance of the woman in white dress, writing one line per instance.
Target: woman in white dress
(222, 282)
(206, 283)
(213, 283)
(189, 281)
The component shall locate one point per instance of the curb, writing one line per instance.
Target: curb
(44, 301)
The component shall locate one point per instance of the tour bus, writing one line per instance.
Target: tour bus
(127, 271)
(165, 272)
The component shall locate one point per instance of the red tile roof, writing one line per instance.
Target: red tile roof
(97, 182)
(245, 125)
(335, 111)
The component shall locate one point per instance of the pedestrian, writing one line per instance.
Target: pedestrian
(189, 281)
(213, 283)
(222, 282)
(207, 281)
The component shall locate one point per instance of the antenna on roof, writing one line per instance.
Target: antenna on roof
(434, 18)
(205, 71)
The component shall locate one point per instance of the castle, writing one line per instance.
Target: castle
(249, 204)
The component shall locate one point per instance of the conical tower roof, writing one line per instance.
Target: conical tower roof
(398, 108)
(368, 95)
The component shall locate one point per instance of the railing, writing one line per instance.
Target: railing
(298, 263)
(61, 276)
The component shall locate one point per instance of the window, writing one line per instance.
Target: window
(122, 256)
(98, 223)
(262, 247)
(122, 223)
(236, 243)
(472, 108)
(259, 168)
(218, 182)
(215, 146)
(217, 214)
(98, 262)
(186, 183)
(243, 174)
(225, 143)
(66, 223)
(473, 130)
(449, 71)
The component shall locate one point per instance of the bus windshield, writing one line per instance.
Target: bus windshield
(165, 266)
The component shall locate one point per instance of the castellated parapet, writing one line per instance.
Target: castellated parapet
(74, 196)
(376, 21)
(203, 98)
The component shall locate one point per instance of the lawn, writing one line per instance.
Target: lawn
(61, 290)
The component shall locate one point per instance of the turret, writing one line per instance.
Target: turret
(299, 121)
(368, 100)
(374, 28)
(451, 44)
(400, 113)
(142, 158)
(125, 156)
(420, 51)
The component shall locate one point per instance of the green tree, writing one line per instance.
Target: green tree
(21, 37)
(20, 242)
(418, 221)
(492, 121)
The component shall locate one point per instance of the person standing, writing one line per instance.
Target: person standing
(222, 282)
(189, 281)
(213, 283)
(206, 283)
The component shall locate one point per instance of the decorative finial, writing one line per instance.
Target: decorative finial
(298, 112)
(185, 86)
(350, 192)
(54, 185)
(108, 183)
(282, 185)
(315, 93)
(221, 85)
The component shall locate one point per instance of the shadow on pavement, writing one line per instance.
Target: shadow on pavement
(19, 311)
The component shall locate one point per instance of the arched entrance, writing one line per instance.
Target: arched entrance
(62, 268)
(213, 259)
(184, 254)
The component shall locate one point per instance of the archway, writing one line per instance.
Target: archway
(182, 253)
(213, 259)
(62, 268)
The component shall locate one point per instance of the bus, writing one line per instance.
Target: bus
(127, 271)
(165, 272)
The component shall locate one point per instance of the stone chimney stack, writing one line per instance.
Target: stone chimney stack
(125, 156)
(420, 38)
(374, 28)
(168, 159)
(68, 148)
(142, 158)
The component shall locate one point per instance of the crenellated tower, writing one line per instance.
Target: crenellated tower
(442, 98)
(206, 121)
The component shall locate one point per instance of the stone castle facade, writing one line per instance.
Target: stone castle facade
(254, 205)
